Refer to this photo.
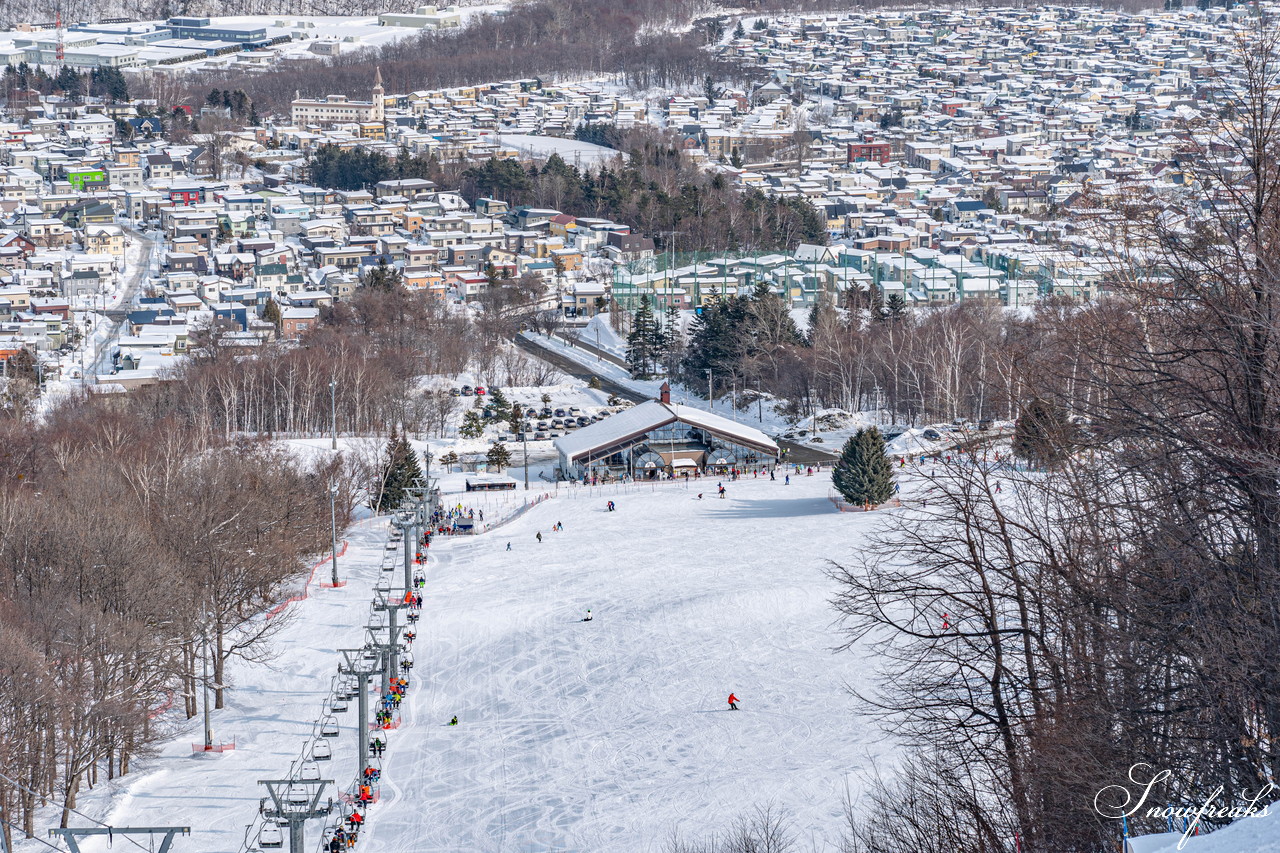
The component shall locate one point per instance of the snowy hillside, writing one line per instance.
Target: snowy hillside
(601, 735)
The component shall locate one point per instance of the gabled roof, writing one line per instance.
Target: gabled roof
(650, 415)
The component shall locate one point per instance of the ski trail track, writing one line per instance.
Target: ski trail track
(609, 734)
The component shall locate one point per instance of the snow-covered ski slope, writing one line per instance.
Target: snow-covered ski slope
(596, 736)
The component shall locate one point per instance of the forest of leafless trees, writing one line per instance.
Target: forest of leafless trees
(1041, 632)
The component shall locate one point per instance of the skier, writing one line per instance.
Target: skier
(588, 617)
(355, 820)
(733, 702)
(611, 507)
(508, 546)
(787, 481)
(378, 747)
(539, 535)
(454, 721)
(699, 495)
(722, 493)
(771, 477)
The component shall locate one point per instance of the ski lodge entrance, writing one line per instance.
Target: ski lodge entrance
(659, 436)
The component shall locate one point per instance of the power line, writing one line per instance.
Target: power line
(34, 837)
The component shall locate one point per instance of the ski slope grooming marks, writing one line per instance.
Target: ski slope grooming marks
(581, 736)
(608, 734)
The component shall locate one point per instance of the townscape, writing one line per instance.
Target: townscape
(413, 424)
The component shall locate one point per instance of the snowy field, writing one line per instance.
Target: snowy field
(593, 736)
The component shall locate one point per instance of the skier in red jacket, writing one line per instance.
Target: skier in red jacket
(733, 702)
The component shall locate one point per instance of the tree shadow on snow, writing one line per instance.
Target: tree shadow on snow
(772, 508)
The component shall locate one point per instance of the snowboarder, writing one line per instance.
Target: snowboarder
(539, 535)
(722, 493)
(699, 495)
(733, 702)
(611, 507)
(508, 546)
(454, 721)
(588, 617)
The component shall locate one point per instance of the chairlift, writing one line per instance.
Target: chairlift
(298, 795)
(309, 771)
(270, 836)
(328, 727)
(338, 705)
(321, 751)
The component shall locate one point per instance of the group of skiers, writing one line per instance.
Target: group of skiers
(446, 521)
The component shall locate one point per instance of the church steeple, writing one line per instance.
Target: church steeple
(378, 97)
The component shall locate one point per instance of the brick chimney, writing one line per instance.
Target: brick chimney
(664, 394)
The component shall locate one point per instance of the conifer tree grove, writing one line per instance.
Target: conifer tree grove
(864, 474)
(644, 344)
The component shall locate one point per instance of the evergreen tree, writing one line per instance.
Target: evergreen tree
(383, 276)
(1043, 434)
(895, 307)
(515, 418)
(759, 25)
(739, 31)
(472, 425)
(399, 472)
(498, 457)
(642, 343)
(501, 408)
(864, 474)
(271, 312)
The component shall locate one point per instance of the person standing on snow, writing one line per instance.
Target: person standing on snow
(733, 702)
(588, 617)
(539, 535)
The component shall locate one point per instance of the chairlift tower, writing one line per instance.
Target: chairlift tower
(296, 801)
(385, 600)
(406, 522)
(71, 834)
(354, 663)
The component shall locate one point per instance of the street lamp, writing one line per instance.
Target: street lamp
(333, 524)
(711, 401)
(333, 411)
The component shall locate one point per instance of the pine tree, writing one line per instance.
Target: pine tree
(739, 32)
(498, 457)
(501, 408)
(383, 276)
(864, 474)
(641, 349)
(1043, 433)
(472, 425)
(398, 474)
(895, 307)
(271, 312)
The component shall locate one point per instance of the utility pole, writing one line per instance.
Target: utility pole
(333, 413)
(333, 526)
(355, 664)
(293, 803)
(204, 656)
(524, 435)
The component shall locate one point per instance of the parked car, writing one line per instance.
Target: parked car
(457, 392)
(559, 413)
(530, 413)
(575, 411)
(557, 423)
(570, 424)
(540, 436)
(932, 434)
(479, 390)
(582, 421)
(546, 412)
(467, 391)
(984, 424)
(543, 425)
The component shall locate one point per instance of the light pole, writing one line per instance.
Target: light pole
(208, 727)
(711, 401)
(333, 411)
(524, 435)
(333, 524)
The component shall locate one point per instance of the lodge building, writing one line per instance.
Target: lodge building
(658, 435)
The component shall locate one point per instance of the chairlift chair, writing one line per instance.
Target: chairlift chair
(339, 704)
(309, 771)
(321, 751)
(328, 727)
(298, 795)
(270, 837)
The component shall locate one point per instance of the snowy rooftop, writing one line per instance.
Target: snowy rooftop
(652, 414)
